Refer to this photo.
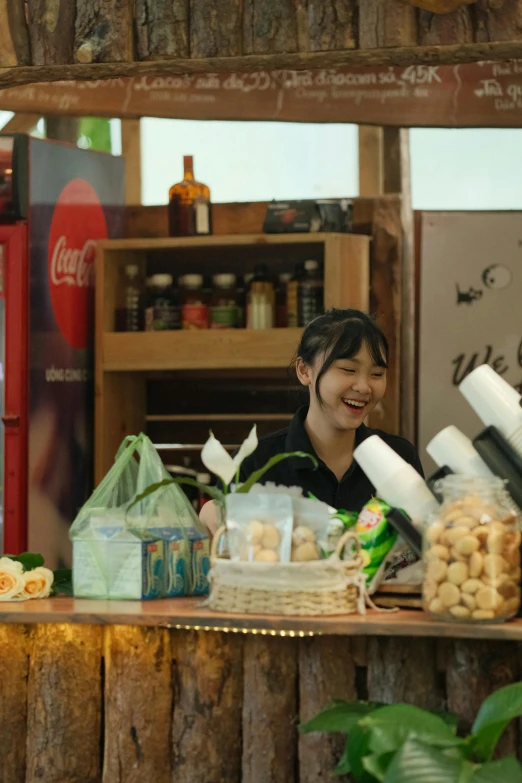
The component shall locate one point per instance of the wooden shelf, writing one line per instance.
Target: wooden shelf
(187, 613)
(193, 350)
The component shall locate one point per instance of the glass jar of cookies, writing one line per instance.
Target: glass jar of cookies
(472, 552)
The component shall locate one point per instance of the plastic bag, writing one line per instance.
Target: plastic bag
(156, 547)
(259, 527)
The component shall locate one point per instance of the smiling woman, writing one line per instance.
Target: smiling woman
(342, 359)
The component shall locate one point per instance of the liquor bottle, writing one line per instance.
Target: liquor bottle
(310, 294)
(190, 211)
(129, 314)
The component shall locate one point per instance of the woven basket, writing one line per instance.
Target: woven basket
(319, 587)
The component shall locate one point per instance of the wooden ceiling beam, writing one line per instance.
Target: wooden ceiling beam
(398, 55)
(21, 123)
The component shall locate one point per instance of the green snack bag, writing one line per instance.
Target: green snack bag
(376, 535)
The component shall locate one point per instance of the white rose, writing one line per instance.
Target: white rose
(37, 583)
(11, 578)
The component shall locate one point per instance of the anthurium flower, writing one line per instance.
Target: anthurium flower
(217, 459)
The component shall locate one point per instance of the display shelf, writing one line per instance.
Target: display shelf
(211, 349)
(128, 366)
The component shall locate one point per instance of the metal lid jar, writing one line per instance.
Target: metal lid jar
(472, 552)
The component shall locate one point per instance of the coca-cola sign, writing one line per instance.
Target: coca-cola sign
(78, 222)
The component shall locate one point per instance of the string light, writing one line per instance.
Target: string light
(252, 631)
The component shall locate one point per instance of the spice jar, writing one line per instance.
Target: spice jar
(472, 552)
(224, 312)
(162, 311)
(194, 309)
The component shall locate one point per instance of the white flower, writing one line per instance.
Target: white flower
(217, 459)
(37, 583)
(11, 578)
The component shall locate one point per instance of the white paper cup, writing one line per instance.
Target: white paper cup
(495, 402)
(452, 448)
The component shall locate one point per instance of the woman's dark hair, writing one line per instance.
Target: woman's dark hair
(340, 334)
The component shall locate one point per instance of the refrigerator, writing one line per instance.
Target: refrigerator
(56, 201)
(470, 314)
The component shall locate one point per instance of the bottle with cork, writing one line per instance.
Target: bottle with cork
(190, 210)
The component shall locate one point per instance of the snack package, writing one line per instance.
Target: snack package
(123, 549)
(377, 538)
(312, 526)
(259, 527)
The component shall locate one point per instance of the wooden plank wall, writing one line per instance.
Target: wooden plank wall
(379, 218)
(123, 31)
(126, 704)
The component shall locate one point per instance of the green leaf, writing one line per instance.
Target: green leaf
(496, 712)
(211, 491)
(62, 584)
(507, 770)
(392, 725)
(343, 767)
(417, 762)
(377, 765)
(358, 748)
(29, 560)
(338, 716)
(257, 474)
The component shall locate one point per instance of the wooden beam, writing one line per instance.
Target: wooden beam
(398, 55)
(21, 123)
(131, 151)
(371, 161)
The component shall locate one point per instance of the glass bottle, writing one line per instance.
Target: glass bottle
(194, 308)
(310, 294)
(190, 210)
(281, 313)
(129, 315)
(224, 312)
(472, 552)
(260, 300)
(163, 310)
(291, 294)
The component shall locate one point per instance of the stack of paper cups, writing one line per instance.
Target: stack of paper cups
(395, 481)
(453, 449)
(495, 402)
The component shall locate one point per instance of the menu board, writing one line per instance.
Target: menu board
(471, 290)
(487, 94)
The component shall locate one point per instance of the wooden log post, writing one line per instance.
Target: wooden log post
(326, 672)
(138, 705)
(51, 30)
(386, 23)
(332, 25)
(103, 31)
(476, 668)
(14, 37)
(208, 698)
(446, 29)
(269, 710)
(498, 20)
(64, 704)
(14, 668)
(62, 128)
(131, 151)
(215, 28)
(269, 27)
(161, 28)
(403, 669)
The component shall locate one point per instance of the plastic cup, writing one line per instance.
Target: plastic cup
(495, 402)
(452, 448)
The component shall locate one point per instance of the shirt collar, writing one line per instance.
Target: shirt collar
(297, 439)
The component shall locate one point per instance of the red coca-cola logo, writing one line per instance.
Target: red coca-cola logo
(78, 221)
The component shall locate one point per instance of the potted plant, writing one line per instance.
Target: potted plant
(399, 743)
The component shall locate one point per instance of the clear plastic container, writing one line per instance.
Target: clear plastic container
(194, 310)
(472, 553)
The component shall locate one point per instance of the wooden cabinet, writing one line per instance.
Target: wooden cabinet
(134, 370)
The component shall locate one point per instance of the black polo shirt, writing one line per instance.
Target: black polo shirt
(354, 489)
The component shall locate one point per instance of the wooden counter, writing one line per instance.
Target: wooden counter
(130, 692)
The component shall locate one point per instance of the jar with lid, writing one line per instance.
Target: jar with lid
(194, 307)
(260, 300)
(472, 552)
(163, 310)
(224, 311)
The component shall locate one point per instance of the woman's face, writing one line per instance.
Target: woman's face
(350, 389)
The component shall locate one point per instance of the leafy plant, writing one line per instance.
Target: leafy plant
(400, 743)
